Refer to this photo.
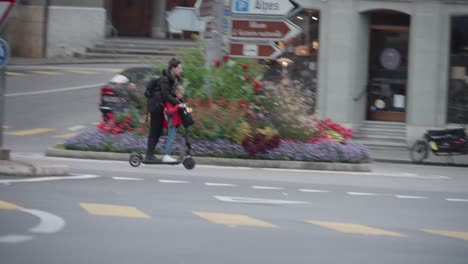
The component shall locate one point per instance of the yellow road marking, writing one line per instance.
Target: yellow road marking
(115, 70)
(82, 72)
(14, 74)
(6, 205)
(47, 72)
(453, 234)
(68, 135)
(233, 219)
(113, 210)
(355, 228)
(30, 131)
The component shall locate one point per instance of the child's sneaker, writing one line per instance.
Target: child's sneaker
(168, 158)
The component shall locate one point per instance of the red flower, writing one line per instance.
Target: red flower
(242, 102)
(245, 66)
(217, 63)
(247, 79)
(225, 58)
(257, 86)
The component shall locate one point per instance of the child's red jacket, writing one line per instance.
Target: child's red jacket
(172, 110)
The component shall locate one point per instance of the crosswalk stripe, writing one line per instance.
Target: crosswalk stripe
(82, 72)
(7, 205)
(29, 132)
(233, 219)
(14, 74)
(113, 210)
(47, 72)
(355, 228)
(67, 135)
(452, 234)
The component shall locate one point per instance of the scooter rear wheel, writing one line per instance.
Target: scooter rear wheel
(135, 160)
(188, 163)
(419, 152)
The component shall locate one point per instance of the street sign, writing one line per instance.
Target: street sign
(275, 30)
(259, 51)
(263, 7)
(5, 8)
(3, 52)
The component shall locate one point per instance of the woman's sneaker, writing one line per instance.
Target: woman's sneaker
(168, 158)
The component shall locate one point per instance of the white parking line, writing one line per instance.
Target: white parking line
(267, 188)
(55, 90)
(14, 238)
(456, 200)
(361, 194)
(256, 200)
(410, 197)
(313, 191)
(171, 181)
(55, 178)
(76, 128)
(127, 179)
(220, 184)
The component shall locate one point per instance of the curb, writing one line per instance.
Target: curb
(15, 168)
(283, 164)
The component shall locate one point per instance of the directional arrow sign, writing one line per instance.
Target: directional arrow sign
(275, 30)
(263, 7)
(259, 51)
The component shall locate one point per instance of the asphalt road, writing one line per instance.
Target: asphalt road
(109, 212)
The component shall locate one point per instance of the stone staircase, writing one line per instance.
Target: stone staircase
(382, 135)
(136, 49)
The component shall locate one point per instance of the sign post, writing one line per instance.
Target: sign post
(5, 7)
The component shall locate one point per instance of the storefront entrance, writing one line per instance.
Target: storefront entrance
(388, 66)
(132, 17)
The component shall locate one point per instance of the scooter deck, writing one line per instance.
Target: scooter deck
(158, 161)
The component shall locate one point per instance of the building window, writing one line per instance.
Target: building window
(457, 111)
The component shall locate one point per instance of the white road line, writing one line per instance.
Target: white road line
(361, 194)
(220, 184)
(55, 90)
(14, 238)
(410, 197)
(267, 188)
(55, 178)
(49, 223)
(255, 200)
(127, 179)
(456, 200)
(313, 191)
(171, 181)
(76, 128)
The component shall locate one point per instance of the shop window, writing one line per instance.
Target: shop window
(457, 111)
(299, 61)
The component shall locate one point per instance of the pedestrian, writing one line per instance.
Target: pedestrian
(172, 121)
(170, 77)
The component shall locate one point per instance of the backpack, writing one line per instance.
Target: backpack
(153, 87)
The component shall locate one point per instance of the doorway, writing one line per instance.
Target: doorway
(132, 17)
(388, 66)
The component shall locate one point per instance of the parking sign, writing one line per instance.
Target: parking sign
(241, 5)
(3, 52)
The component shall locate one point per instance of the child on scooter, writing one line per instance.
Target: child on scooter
(172, 121)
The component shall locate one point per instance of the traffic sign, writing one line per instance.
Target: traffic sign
(5, 8)
(259, 51)
(264, 7)
(3, 52)
(275, 30)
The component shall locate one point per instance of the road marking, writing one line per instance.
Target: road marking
(14, 238)
(30, 132)
(67, 135)
(48, 224)
(55, 90)
(113, 210)
(313, 191)
(456, 200)
(410, 197)
(55, 178)
(267, 188)
(361, 194)
(452, 234)
(171, 181)
(233, 219)
(127, 179)
(9, 206)
(76, 128)
(220, 184)
(14, 74)
(255, 200)
(47, 72)
(82, 72)
(114, 70)
(355, 228)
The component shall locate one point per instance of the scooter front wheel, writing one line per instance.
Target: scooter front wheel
(188, 163)
(135, 160)
(419, 151)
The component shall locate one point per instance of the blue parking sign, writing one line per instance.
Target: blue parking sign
(3, 52)
(241, 5)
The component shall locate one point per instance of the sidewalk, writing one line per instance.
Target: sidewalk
(16, 168)
(16, 61)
